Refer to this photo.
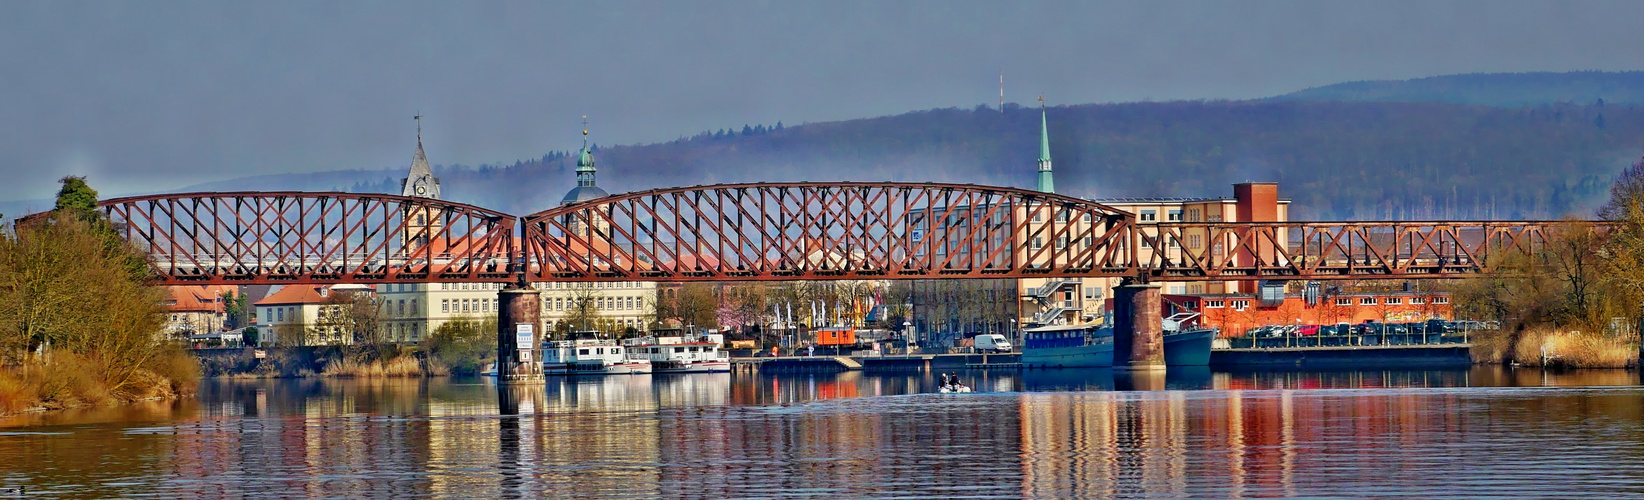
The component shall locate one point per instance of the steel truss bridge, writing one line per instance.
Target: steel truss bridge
(775, 231)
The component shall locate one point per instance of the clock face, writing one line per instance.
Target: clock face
(422, 189)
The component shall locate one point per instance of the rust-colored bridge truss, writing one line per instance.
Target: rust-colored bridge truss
(774, 231)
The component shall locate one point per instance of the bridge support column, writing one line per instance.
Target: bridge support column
(519, 333)
(1138, 328)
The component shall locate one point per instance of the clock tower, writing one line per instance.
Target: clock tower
(421, 223)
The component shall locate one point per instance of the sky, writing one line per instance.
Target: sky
(154, 96)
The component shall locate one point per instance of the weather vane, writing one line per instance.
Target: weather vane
(418, 118)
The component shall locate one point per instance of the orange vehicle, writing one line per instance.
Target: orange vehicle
(835, 336)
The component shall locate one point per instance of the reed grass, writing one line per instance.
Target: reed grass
(1554, 347)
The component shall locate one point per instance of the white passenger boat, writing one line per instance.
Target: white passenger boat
(592, 357)
(685, 357)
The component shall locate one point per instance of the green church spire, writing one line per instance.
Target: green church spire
(1046, 183)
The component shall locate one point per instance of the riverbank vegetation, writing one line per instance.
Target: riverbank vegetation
(1577, 302)
(79, 324)
(462, 346)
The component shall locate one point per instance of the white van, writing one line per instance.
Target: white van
(992, 342)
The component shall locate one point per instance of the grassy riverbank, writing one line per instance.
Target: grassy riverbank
(1553, 347)
(335, 361)
(74, 381)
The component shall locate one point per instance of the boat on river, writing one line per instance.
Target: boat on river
(1186, 344)
(592, 357)
(684, 357)
(1067, 346)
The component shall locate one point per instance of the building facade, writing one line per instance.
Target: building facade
(197, 309)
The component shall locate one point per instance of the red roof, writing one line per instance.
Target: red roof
(295, 294)
(197, 298)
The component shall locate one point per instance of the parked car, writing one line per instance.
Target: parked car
(1307, 330)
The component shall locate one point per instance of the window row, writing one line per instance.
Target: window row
(458, 306)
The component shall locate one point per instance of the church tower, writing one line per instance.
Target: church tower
(587, 188)
(421, 223)
(1046, 183)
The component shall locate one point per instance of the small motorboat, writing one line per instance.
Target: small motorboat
(955, 388)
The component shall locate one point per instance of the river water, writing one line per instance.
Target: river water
(1037, 434)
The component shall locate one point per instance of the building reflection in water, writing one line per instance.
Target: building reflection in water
(1253, 435)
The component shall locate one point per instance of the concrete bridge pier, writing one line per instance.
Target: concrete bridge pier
(1138, 329)
(519, 332)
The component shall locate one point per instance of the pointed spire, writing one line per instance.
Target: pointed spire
(1047, 183)
(585, 161)
(420, 181)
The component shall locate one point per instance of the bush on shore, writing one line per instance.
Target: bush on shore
(79, 323)
(1553, 348)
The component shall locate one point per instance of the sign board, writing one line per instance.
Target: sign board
(523, 337)
(259, 353)
(525, 355)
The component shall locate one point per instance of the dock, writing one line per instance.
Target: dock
(889, 363)
(1384, 356)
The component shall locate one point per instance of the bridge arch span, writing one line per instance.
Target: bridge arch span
(826, 230)
(315, 237)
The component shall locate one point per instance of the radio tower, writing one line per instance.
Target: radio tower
(1001, 91)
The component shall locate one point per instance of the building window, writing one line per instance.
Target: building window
(1418, 300)
(1212, 304)
(1175, 215)
(1085, 217)
(1061, 243)
(1392, 301)
(1038, 242)
(401, 308)
(1194, 241)
(279, 314)
(413, 307)
(1241, 304)
(1150, 215)
(1090, 240)
(1062, 215)
(1344, 302)
(1367, 301)
(1441, 300)
(1215, 218)
(445, 305)
(1038, 216)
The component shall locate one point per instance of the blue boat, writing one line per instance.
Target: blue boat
(1066, 346)
(1186, 346)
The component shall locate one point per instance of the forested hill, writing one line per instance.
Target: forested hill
(1490, 89)
(1335, 160)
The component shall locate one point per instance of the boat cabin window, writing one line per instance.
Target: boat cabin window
(582, 351)
(599, 350)
(679, 349)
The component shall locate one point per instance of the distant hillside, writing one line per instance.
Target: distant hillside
(1335, 160)
(1490, 89)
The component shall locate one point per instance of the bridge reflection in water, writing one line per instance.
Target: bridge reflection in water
(1480, 432)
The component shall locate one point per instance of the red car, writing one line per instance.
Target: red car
(1305, 330)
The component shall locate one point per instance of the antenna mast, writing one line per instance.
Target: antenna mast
(1001, 91)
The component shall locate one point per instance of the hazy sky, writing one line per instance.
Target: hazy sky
(152, 96)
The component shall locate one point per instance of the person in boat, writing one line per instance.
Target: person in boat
(944, 381)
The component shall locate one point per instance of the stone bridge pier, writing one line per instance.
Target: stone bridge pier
(1138, 328)
(519, 332)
